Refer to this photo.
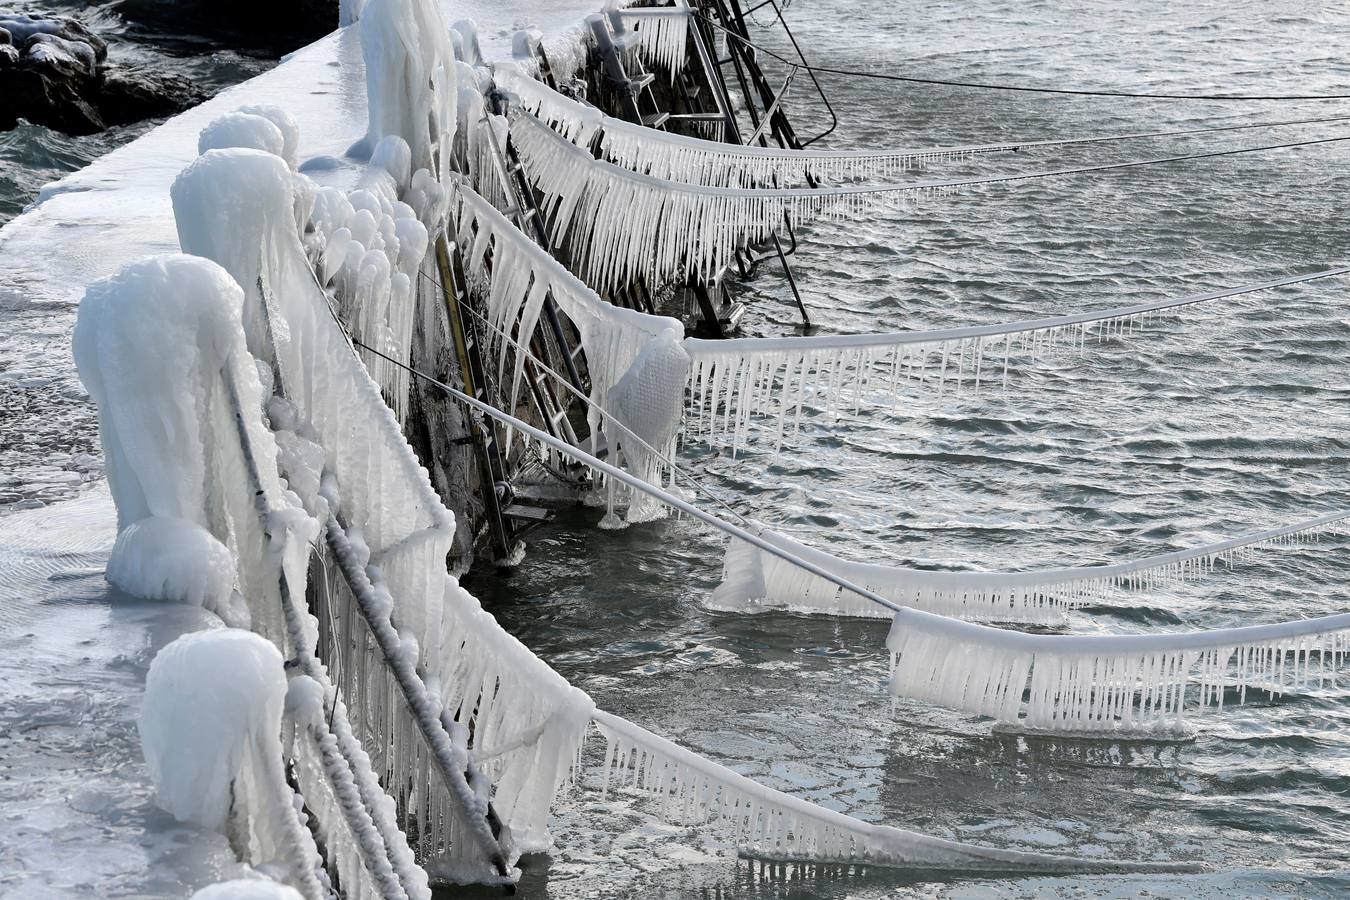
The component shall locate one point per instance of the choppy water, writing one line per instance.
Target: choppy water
(1209, 423)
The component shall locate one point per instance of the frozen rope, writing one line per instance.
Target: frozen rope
(620, 225)
(693, 160)
(767, 823)
(735, 379)
(1080, 92)
(1084, 683)
(752, 580)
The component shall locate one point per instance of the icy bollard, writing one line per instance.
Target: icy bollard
(211, 725)
(241, 129)
(211, 733)
(247, 889)
(410, 81)
(167, 558)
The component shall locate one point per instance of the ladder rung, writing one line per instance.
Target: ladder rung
(641, 81)
(702, 117)
(655, 120)
(527, 513)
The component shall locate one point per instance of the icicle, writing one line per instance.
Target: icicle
(770, 825)
(1097, 684)
(755, 580)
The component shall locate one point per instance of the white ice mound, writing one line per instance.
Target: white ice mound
(242, 129)
(247, 889)
(410, 80)
(286, 124)
(167, 558)
(167, 321)
(211, 724)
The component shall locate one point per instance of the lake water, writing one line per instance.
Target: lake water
(1218, 420)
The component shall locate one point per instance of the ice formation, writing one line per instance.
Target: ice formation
(658, 35)
(247, 889)
(637, 362)
(755, 580)
(211, 733)
(242, 129)
(410, 81)
(1112, 684)
(167, 558)
(285, 123)
(736, 380)
(770, 825)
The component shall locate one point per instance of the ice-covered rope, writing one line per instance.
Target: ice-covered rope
(1107, 684)
(736, 379)
(1082, 683)
(752, 580)
(693, 160)
(1078, 92)
(621, 225)
(770, 824)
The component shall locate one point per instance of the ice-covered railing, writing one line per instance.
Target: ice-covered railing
(734, 381)
(693, 160)
(764, 823)
(621, 225)
(386, 499)
(753, 580)
(637, 364)
(1108, 684)
(770, 825)
(163, 351)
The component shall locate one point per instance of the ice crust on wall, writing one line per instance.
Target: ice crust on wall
(753, 580)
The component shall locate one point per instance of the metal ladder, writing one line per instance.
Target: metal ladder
(506, 520)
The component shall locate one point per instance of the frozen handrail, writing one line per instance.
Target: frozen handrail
(752, 580)
(694, 160)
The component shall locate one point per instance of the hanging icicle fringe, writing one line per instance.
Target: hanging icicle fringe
(770, 825)
(637, 364)
(737, 380)
(697, 161)
(754, 580)
(622, 225)
(1106, 684)
(658, 35)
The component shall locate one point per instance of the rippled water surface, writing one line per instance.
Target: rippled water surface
(1207, 423)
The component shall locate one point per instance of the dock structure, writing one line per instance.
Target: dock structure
(437, 327)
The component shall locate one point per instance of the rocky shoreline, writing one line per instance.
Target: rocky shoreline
(55, 71)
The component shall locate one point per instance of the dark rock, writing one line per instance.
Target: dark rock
(54, 72)
(132, 94)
